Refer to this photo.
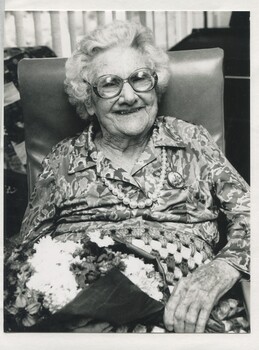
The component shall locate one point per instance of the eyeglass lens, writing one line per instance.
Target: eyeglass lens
(142, 80)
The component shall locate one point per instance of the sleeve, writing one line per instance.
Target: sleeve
(39, 217)
(232, 195)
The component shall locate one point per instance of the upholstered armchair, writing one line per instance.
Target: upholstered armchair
(195, 94)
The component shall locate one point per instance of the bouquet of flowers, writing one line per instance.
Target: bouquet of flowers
(105, 276)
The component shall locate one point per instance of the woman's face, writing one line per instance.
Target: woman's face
(130, 114)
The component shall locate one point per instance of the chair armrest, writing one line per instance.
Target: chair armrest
(246, 291)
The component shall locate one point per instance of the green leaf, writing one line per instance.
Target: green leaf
(28, 321)
(12, 310)
(20, 301)
(33, 308)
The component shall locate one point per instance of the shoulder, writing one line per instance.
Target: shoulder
(61, 148)
(64, 148)
(188, 132)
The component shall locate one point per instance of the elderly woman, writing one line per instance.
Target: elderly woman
(132, 167)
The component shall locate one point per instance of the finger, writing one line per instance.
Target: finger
(180, 317)
(191, 318)
(169, 312)
(202, 320)
(175, 300)
(189, 300)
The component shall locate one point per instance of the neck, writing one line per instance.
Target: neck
(121, 146)
(123, 152)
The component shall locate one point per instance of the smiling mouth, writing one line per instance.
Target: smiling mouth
(128, 111)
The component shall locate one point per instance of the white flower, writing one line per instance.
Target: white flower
(144, 276)
(52, 276)
(77, 260)
(101, 242)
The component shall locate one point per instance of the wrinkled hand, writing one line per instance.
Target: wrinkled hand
(193, 298)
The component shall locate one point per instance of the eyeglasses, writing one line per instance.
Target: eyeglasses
(109, 86)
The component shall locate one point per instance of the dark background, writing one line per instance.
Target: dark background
(235, 41)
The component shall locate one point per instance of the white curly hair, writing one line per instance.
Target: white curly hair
(118, 33)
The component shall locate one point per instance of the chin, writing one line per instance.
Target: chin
(135, 126)
(134, 130)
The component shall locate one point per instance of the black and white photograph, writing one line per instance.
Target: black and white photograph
(127, 172)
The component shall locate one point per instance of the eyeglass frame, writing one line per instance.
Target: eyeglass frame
(152, 73)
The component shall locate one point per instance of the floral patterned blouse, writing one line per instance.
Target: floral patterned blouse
(70, 197)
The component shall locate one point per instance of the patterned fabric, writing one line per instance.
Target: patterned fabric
(71, 199)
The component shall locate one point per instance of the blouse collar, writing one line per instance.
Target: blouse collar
(84, 154)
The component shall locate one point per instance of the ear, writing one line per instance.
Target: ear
(90, 109)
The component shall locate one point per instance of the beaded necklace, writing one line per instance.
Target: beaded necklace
(133, 204)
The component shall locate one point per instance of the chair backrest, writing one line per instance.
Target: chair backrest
(194, 93)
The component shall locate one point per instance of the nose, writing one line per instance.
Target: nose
(127, 94)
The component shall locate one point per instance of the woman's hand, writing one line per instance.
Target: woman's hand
(190, 304)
